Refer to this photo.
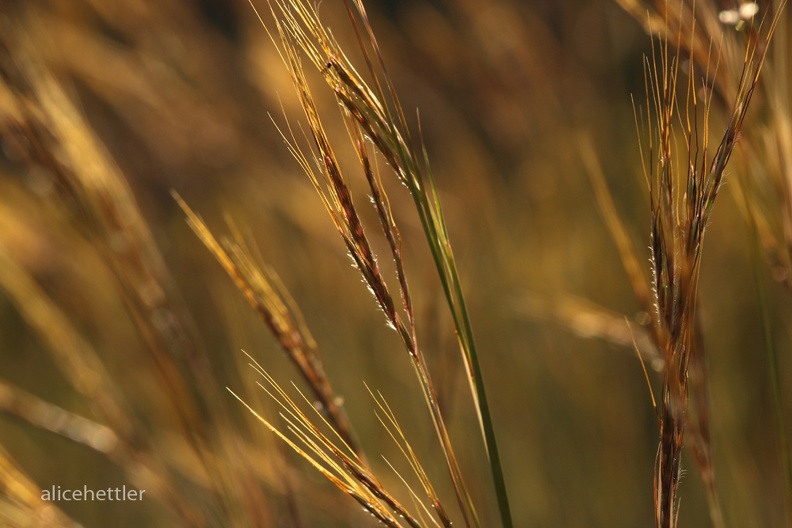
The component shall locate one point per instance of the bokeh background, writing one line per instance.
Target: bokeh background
(183, 95)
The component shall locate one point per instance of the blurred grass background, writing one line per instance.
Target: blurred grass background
(180, 93)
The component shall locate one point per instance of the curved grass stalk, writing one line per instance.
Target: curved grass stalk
(380, 117)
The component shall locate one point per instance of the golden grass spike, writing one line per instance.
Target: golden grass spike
(335, 195)
(344, 471)
(266, 300)
(682, 202)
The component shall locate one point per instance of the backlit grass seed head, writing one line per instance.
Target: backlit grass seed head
(682, 203)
